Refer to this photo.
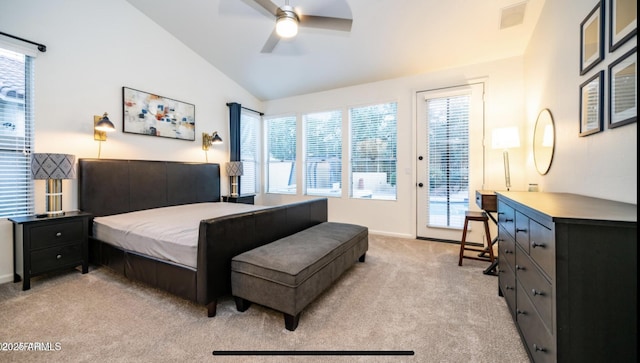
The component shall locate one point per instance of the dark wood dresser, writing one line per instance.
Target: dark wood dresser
(568, 272)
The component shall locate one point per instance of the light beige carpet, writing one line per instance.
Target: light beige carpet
(409, 295)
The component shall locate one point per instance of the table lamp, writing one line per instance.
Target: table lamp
(234, 170)
(53, 168)
(505, 138)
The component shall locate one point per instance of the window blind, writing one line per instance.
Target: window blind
(16, 133)
(281, 155)
(448, 122)
(323, 153)
(249, 146)
(373, 151)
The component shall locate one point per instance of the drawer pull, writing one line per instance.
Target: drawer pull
(538, 348)
(58, 256)
(521, 230)
(58, 234)
(508, 219)
(521, 312)
(508, 252)
(536, 292)
(518, 267)
(535, 244)
(507, 287)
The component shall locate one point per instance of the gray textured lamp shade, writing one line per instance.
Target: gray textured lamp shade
(235, 168)
(53, 166)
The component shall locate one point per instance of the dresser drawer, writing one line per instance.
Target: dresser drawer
(507, 282)
(506, 248)
(536, 337)
(56, 234)
(522, 231)
(52, 258)
(506, 218)
(537, 288)
(543, 247)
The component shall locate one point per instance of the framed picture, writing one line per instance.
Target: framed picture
(623, 22)
(148, 114)
(623, 90)
(591, 39)
(591, 114)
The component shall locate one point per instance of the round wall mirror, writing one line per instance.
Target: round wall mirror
(544, 141)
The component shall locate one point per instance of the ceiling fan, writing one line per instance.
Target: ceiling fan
(288, 20)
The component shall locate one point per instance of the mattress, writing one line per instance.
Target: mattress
(168, 233)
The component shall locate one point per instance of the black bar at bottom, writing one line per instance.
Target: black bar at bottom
(313, 352)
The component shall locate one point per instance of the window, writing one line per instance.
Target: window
(16, 129)
(281, 155)
(249, 146)
(323, 153)
(373, 151)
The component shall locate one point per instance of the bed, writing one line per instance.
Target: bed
(122, 188)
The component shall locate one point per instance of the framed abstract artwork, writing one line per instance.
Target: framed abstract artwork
(591, 102)
(591, 39)
(623, 22)
(623, 90)
(149, 114)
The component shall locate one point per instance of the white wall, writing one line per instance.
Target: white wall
(603, 165)
(504, 106)
(94, 48)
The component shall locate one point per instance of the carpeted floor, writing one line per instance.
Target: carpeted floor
(409, 295)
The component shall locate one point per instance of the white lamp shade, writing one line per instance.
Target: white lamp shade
(505, 138)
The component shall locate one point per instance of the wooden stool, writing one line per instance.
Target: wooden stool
(479, 217)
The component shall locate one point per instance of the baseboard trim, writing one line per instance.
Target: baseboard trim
(6, 278)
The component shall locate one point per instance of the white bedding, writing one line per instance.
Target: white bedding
(169, 233)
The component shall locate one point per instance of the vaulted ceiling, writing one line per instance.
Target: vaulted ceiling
(388, 39)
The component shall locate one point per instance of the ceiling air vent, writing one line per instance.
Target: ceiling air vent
(512, 15)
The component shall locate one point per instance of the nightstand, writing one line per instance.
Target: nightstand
(245, 199)
(49, 244)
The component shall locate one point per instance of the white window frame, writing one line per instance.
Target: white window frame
(16, 142)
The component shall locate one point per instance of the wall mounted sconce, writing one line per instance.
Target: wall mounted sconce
(505, 138)
(101, 125)
(208, 140)
(53, 168)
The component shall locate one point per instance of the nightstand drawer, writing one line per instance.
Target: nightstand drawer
(56, 234)
(56, 257)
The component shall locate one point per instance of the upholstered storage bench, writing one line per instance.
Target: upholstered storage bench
(287, 274)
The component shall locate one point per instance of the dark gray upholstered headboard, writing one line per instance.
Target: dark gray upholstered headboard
(108, 186)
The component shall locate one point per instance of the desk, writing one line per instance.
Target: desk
(487, 200)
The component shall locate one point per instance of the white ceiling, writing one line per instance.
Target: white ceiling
(388, 39)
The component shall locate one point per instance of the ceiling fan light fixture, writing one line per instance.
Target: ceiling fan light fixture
(287, 22)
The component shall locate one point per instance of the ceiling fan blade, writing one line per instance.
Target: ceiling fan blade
(271, 42)
(325, 22)
(268, 6)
